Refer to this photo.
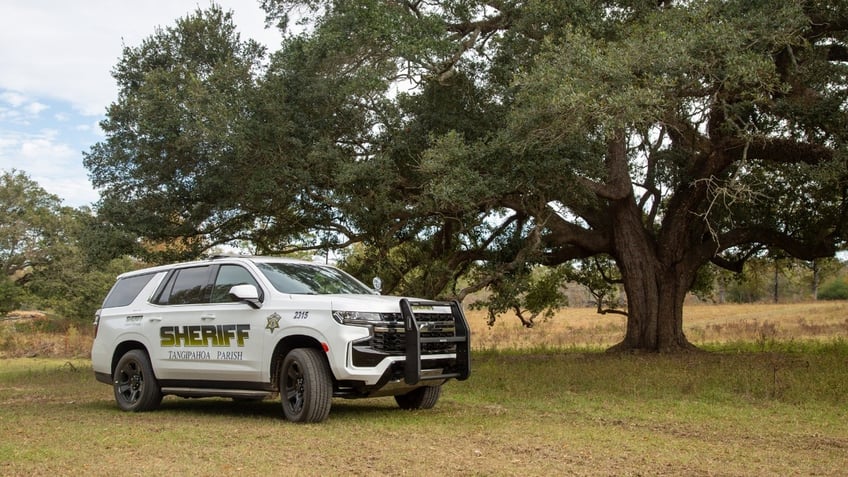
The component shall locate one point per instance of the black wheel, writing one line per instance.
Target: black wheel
(424, 397)
(306, 388)
(135, 385)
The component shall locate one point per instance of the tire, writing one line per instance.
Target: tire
(424, 397)
(135, 386)
(306, 388)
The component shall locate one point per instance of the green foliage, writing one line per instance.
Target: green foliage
(528, 293)
(748, 288)
(762, 278)
(174, 136)
(74, 289)
(30, 225)
(38, 237)
(51, 256)
(601, 279)
(836, 289)
(10, 295)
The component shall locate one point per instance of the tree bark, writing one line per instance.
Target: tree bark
(655, 280)
(655, 274)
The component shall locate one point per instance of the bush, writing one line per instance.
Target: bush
(836, 289)
(10, 295)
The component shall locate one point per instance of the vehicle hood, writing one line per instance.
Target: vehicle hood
(374, 303)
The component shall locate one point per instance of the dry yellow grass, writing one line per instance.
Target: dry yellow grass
(569, 328)
(703, 324)
(19, 340)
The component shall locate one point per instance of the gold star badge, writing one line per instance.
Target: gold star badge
(273, 322)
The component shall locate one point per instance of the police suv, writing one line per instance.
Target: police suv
(251, 327)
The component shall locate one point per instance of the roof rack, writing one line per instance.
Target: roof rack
(218, 256)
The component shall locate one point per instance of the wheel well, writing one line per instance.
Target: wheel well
(283, 347)
(121, 350)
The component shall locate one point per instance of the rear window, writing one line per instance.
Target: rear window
(186, 286)
(125, 290)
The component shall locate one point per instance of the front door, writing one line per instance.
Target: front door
(204, 334)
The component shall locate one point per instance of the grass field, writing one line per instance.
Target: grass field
(704, 325)
(771, 398)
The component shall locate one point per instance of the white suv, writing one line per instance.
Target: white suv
(250, 327)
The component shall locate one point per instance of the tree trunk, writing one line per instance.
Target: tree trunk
(776, 281)
(656, 284)
(815, 280)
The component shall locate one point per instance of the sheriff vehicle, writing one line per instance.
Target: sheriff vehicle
(253, 327)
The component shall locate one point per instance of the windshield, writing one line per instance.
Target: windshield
(308, 279)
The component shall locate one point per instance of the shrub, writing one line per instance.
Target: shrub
(10, 295)
(836, 289)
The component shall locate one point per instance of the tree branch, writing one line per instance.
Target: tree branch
(804, 250)
(779, 150)
(736, 265)
(618, 183)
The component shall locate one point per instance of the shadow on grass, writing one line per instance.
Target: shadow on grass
(266, 409)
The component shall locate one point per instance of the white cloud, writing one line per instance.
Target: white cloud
(74, 191)
(45, 153)
(55, 165)
(66, 50)
(6, 142)
(93, 127)
(13, 98)
(35, 108)
(9, 115)
(22, 110)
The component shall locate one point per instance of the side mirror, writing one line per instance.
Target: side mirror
(248, 294)
(377, 284)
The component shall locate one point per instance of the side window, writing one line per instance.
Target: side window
(125, 290)
(186, 286)
(228, 277)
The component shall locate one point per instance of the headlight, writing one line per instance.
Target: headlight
(359, 318)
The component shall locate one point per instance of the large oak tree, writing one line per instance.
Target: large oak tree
(474, 139)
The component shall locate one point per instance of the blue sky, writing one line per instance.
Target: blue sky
(55, 81)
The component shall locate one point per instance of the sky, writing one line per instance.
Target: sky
(56, 58)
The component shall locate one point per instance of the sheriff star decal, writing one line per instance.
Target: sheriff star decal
(273, 322)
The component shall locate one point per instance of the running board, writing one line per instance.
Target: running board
(210, 392)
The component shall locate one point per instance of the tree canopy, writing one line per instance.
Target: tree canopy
(30, 225)
(465, 142)
(48, 252)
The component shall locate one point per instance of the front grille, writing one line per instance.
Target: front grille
(389, 336)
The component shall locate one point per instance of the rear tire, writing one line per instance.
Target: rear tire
(306, 388)
(134, 384)
(424, 397)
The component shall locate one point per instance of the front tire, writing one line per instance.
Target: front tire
(424, 397)
(135, 386)
(306, 388)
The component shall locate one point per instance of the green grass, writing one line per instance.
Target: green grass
(781, 409)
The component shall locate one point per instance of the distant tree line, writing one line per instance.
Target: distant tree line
(54, 258)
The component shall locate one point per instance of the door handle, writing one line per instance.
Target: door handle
(207, 317)
(155, 319)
